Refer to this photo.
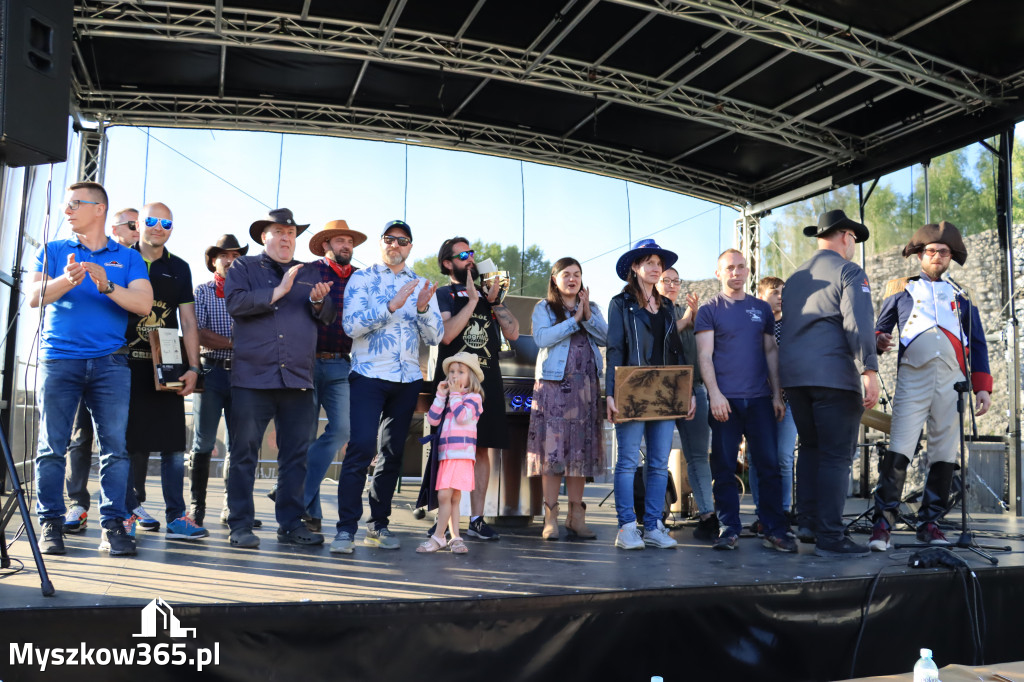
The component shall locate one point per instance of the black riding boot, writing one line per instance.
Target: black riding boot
(892, 473)
(200, 479)
(936, 492)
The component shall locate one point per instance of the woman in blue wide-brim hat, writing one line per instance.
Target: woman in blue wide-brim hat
(641, 332)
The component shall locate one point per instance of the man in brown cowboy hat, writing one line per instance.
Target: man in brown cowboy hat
(335, 243)
(941, 343)
(276, 303)
(215, 333)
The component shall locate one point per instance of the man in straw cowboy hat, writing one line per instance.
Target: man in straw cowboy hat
(335, 243)
(829, 368)
(941, 343)
(277, 303)
(216, 352)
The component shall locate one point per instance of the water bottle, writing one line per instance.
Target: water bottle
(925, 669)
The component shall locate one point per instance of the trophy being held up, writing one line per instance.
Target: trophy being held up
(491, 275)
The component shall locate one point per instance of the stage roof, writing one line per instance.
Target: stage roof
(735, 102)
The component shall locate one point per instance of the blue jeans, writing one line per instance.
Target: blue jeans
(80, 458)
(104, 384)
(786, 455)
(380, 415)
(293, 412)
(330, 389)
(695, 436)
(172, 482)
(207, 408)
(755, 419)
(658, 438)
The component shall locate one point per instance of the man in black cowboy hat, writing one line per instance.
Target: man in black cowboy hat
(941, 343)
(215, 333)
(826, 359)
(276, 303)
(335, 243)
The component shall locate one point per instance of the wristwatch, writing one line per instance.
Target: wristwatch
(109, 289)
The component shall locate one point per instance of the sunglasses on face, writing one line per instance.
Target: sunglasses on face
(75, 203)
(941, 253)
(163, 222)
(132, 225)
(464, 255)
(391, 239)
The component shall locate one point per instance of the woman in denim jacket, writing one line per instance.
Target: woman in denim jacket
(565, 420)
(642, 331)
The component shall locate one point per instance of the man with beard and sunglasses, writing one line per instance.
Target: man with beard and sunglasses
(471, 324)
(335, 242)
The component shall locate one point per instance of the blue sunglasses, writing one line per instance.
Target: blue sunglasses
(164, 222)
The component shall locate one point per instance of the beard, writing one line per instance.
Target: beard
(464, 275)
(339, 258)
(394, 259)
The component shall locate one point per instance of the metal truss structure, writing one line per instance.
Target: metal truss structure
(813, 125)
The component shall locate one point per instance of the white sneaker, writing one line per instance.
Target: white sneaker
(145, 521)
(659, 537)
(75, 519)
(628, 537)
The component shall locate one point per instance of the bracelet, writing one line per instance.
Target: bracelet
(316, 302)
(195, 369)
(423, 312)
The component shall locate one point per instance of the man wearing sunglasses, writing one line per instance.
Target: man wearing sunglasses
(277, 304)
(471, 323)
(89, 285)
(156, 419)
(941, 343)
(389, 311)
(124, 231)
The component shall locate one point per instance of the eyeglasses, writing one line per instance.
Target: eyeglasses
(75, 203)
(164, 222)
(132, 224)
(941, 253)
(390, 240)
(670, 282)
(464, 255)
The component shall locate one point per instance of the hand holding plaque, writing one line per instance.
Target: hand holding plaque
(653, 392)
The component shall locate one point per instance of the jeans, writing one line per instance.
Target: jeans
(828, 420)
(786, 455)
(80, 458)
(755, 419)
(103, 383)
(695, 436)
(331, 390)
(208, 406)
(293, 412)
(380, 415)
(658, 438)
(172, 482)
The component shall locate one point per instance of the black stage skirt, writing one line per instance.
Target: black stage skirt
(156, 419)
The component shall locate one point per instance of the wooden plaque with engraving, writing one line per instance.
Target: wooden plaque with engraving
(654, 392)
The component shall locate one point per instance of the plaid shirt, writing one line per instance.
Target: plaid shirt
(212, 314)
(331, 338)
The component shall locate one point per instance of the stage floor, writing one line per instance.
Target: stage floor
(209, 571)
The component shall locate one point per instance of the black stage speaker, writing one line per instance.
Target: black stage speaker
(35, 80)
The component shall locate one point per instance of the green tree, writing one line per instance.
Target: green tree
(529, 274)
(986, 170)
(953, 195)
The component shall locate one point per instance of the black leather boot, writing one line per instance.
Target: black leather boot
(200, 479)
(892, 473)
(936, 492)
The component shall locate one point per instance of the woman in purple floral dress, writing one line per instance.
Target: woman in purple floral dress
(565, 423)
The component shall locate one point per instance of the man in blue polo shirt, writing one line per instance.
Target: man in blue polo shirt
(739, 365)
(87, 286)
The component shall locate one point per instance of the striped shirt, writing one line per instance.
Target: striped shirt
(212, 314)
(458, 433)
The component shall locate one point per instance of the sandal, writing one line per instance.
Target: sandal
(431, 545)
(457, 546)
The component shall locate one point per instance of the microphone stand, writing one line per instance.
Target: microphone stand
(962, 388)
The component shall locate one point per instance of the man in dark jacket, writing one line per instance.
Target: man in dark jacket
(276, 303)
(826, 355)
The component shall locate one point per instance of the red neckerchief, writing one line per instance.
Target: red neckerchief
(342, 271)
(218, 282)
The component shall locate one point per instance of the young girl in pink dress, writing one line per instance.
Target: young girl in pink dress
(457, 444)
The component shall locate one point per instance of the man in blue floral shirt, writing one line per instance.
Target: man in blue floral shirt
(388, 310)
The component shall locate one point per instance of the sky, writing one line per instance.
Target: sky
(221, 181)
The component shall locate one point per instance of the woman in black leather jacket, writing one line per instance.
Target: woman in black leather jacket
(642, 331)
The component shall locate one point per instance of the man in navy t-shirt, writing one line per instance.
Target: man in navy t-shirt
(739, 364)
(87, 285)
